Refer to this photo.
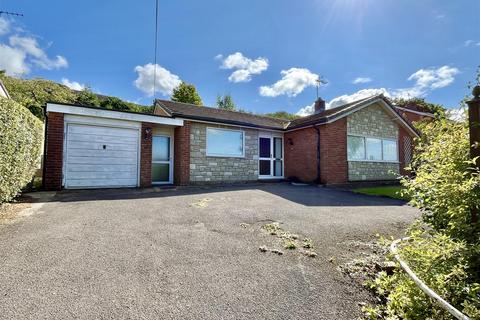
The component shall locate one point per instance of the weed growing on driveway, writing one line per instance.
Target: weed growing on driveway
(202, 203)
(288, 240)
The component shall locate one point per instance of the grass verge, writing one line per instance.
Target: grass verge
(385, 191)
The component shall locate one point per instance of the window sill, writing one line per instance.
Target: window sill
(224, 156)
(375, 161)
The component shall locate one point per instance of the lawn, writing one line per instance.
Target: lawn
(385, 191)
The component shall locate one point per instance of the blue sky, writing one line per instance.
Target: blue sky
(265, 53)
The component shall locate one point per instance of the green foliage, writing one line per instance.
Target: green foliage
(421, 105)
(439, 261)
(21, 136)
(226, 102)
(282, 115)
(87, 98)
(445, 186)
(35, 93)
(186, 93)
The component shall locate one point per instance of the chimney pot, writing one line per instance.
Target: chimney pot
(319, 105)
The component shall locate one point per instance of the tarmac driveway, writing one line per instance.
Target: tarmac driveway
(189, 254)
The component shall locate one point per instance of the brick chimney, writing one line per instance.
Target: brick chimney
(319, 105)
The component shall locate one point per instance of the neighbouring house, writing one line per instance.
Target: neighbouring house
(3, 91)
(414, 114)
(86, 147)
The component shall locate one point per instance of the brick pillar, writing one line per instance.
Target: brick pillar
(333, 152)
(52, 175)
(146, 156)
(181, 166)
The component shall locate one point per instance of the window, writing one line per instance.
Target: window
(356, 148)
(225, 143)
(374, 149)
(371, 149)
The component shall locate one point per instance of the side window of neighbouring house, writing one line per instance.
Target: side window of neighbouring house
(371, 149)
(225, 143)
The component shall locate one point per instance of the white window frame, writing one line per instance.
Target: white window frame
(365, 149)
(219, 155)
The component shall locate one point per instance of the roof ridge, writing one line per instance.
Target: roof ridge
(223, 110)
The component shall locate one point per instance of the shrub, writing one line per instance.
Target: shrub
(21, 136)
(443, 264)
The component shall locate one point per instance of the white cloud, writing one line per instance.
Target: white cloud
(165, 80)
(469, 43)
(426, 80)
(457, 114)
(362, 80)
(4, 26)
(74, 85)
(13, 60)
(244, 67)
(293, 82)
(23, 52)
(38, 56)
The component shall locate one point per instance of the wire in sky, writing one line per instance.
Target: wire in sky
(155, 57)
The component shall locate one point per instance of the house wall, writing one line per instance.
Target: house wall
(333, 152)
(301, 155)
(372, 121)
(207, 169)
(52, 175)
(181, 153)
(146, 156)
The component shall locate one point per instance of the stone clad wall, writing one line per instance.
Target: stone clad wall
(372, 121)
(205, 169)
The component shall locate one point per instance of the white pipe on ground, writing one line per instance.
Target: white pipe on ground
(444, 304)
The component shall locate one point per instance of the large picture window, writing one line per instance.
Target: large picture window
(371, 149)
(225, 142)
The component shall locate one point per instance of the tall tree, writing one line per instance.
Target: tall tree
(226, 102)
(421, 105)
(87, 98)
(282, 115)
(186, 93)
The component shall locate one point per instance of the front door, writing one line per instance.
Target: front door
(161, 159)
(270, 163)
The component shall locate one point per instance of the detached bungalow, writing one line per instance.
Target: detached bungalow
(186, 144)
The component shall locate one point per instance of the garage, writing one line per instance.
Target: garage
(100, 156)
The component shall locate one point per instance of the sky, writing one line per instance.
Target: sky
(267, 54)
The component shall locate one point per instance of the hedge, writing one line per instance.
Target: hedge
(21, 138)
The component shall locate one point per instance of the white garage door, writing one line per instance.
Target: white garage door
(100, 156)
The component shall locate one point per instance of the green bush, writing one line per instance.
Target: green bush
(21, 136)
(443, 264)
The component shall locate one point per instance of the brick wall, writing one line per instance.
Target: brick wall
(146, 156)
(333, 152)
(52, 178)
(181, 167)
(301, 155)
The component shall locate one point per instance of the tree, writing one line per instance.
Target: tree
(186, 93)
(114, 103)
(282, 115)
(87, 98)
(226, 102)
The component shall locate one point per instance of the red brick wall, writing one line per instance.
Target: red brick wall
(181, 167)
(52, 176)
(301, 155)
(146, 156)
(333, 152)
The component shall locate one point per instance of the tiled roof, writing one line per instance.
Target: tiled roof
(191, 111)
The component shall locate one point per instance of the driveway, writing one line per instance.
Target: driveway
(191, 253)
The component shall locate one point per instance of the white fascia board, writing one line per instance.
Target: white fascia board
(417, 112)
(91, 112)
